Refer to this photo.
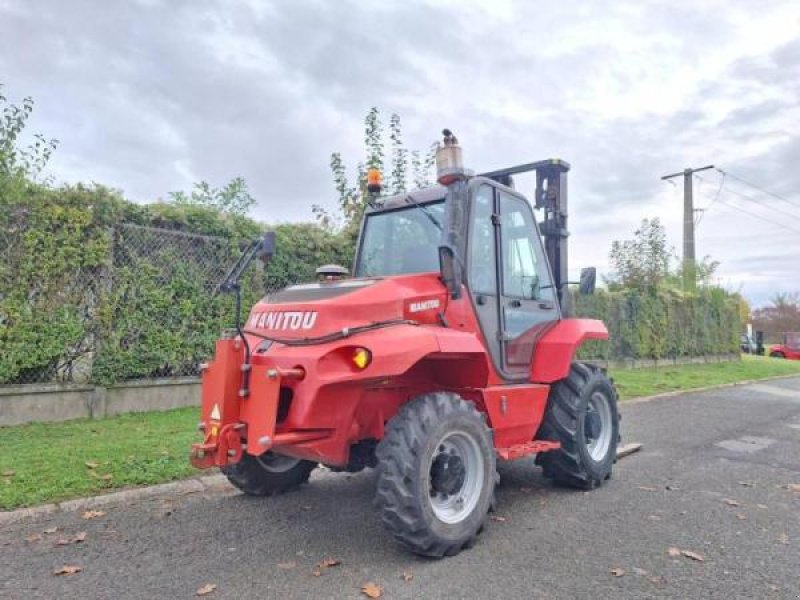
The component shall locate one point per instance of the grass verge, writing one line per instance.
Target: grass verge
(634, 383)
(49, 462)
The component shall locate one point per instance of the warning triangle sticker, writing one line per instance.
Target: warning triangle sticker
(215, 413)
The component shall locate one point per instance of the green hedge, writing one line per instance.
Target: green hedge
(663, 323)
(95, 287)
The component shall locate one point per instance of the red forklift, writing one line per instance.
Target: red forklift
(448, 349)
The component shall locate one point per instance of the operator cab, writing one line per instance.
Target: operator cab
(506, 272)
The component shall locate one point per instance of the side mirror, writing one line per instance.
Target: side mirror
(588, 280)
(266, 249)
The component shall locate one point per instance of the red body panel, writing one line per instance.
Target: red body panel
(331, 405)
(788, 352)
(556, 348)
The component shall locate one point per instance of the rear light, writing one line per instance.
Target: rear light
(361, 357)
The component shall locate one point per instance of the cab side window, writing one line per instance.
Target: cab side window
(482, 250)
(525, 273)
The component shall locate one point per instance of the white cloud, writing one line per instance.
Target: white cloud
(151, 96)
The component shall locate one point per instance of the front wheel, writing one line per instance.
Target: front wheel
(582, 415)
(436, 475)
(269, 474)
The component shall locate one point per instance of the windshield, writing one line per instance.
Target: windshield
(401, 241)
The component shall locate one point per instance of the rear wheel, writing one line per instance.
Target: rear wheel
(268, 474)
(777, 354)
(436, 475)
(582, 415)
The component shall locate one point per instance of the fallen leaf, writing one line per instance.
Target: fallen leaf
(287, 565)
(316, 572)
(407, 576)
(34, 537)
(617, 572)
(63, 542)
(672, 551)
(654, 517)
(793, 487)
(764, 506)
(730, 502)
(747, 483)
(68, 570)
(206, 589)
(79, 537)
(693, 555)
(639, 571)
(329, 562)
(658, 580)
(498, 518)
(645, 488)
(9, 473)
(50, 530)
(91, 464)
(672, 488)
(741, 517)
(93, 514)
(371, 590)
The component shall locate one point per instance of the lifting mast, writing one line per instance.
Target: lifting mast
(551, 195)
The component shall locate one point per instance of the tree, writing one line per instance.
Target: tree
(352, 196)
(15, 159)
(234, 198)
(643, 262)
(778, 317)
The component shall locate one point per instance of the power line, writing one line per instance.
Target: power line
(781, 212)
(755, 201)
(714, 199)
(757, 216)
(759, 188)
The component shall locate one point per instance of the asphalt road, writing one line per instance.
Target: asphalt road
(712, 479)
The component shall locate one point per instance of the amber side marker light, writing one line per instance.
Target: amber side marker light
(361, 358)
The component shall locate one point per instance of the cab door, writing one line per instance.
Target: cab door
(527, 301)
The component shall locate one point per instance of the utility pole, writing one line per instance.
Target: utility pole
(689, 264)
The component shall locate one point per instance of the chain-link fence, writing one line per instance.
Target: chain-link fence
(148, 308)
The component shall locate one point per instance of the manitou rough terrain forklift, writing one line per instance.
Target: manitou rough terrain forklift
(448, 349)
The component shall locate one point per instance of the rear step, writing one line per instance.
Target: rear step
(519, 450)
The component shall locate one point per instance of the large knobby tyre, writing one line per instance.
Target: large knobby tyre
(777, 354)
(268, 474)
(436, 475)
(582, 415)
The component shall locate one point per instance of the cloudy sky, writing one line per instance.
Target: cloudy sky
(150, 96)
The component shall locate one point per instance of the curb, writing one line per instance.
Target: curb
(209, 483)
(643, 399)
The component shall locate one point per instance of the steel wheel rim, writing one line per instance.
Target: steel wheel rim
(277, 463)
(454, 507)
(600, 405)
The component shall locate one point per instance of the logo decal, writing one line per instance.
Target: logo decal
(215, 413)
(423, 305)
(284, 320)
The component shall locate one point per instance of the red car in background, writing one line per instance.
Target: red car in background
(790, 348)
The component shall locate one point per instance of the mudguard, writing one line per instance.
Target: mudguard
(556, 349)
